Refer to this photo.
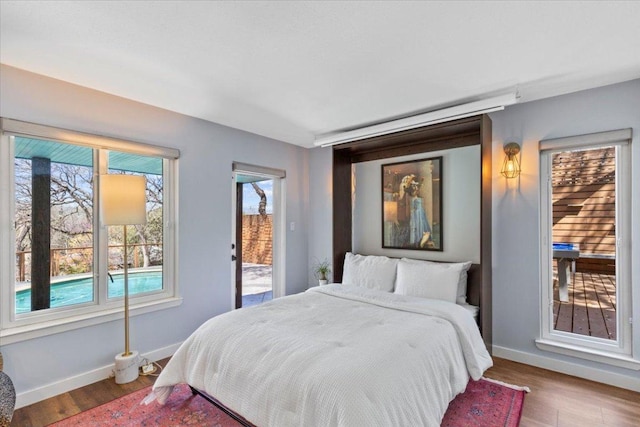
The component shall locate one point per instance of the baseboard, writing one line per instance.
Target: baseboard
(564, 367)
(53, 389)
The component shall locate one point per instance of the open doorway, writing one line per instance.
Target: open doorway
(254, 279)
(257, 238)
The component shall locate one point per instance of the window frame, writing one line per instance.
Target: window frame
(615, 352)
(15, 328)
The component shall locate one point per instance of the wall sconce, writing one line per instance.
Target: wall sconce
(511, 164)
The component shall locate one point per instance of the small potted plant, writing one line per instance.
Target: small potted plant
(321, 270)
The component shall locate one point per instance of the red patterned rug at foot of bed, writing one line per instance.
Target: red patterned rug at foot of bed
(182, 409)
(483, 404)
(486, 403)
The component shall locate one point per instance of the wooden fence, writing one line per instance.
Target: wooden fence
(257, 239)
(583, 185)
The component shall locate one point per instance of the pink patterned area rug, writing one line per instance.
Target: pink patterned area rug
(486, 403)
(483, 404)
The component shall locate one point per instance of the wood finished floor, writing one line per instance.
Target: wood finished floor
(555, 399)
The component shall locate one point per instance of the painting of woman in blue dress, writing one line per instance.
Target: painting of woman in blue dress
(412, 205)
(419, 228)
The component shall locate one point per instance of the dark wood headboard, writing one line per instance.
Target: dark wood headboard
(474, 285)
(455, 134)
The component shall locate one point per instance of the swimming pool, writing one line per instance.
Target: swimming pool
(78, 291)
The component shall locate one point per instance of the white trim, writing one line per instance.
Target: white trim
(588, 354)
(627, 382)
(598, 138)
(55, 320)
(17, 127)
(279, 238)
(7, 237)
(254, 170)
(621, 347)
(234, 237)
(32, 396)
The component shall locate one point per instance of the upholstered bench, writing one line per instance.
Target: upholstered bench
(7, 397)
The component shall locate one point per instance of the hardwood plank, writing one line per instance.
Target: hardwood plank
(540, 410)
(622, 416)
(579, 419)
(554, 398)
(526, 421)
(73, 402)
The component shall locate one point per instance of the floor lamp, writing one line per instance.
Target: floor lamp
(123, 202)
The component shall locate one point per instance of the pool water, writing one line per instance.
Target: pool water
(78, 291)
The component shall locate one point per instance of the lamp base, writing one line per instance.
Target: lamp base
(126, 367)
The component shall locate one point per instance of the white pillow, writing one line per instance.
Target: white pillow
(472, 309)
(461, 267)
(370, 271)
(427, 280)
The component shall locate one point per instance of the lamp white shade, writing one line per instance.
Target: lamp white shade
(123, 199)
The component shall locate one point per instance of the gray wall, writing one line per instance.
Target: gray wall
(320, 205)
(516, 212)
(207, 152)
(516, 275)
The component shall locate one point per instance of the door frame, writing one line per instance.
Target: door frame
(616, 352)
(279, 237)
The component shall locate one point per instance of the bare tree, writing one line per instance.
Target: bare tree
(262, 206)
(151, 233)
(72, 192)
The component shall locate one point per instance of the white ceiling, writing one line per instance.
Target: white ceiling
(294, 70)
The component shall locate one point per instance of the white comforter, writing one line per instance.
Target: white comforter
(333, 356)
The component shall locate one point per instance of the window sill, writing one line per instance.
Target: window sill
(621, 361)
(24, 333)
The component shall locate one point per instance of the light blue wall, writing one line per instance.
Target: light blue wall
(207, 152)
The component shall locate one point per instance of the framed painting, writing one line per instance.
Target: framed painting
(412, 205)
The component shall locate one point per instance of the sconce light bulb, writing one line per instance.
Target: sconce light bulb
(511, 165)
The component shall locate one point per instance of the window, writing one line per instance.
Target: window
(59, 264)
(585, 247)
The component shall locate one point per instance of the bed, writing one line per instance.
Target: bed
(379, 349)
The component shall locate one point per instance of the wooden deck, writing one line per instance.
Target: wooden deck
(591, 309)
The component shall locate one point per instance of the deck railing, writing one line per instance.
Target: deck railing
(78, 259)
